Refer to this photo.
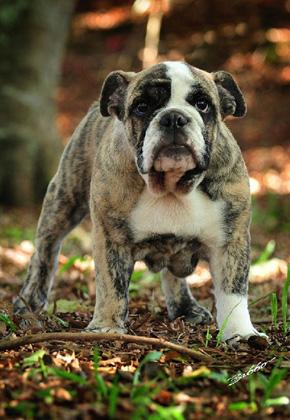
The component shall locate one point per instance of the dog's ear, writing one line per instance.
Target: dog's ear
(232, 101)
(113, 93)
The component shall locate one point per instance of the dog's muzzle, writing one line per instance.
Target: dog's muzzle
(173, 159)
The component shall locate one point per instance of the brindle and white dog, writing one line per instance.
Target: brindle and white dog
(164, 181)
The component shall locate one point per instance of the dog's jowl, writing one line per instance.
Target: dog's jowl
(164, 181)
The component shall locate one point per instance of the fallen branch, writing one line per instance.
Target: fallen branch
(6, 344)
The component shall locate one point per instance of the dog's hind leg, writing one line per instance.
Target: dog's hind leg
(60, 214)
(180, 302)
(66, 203)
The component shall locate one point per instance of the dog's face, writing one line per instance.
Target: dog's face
(171, 113)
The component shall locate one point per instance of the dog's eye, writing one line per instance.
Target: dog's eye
(141, 109)
(202, 105)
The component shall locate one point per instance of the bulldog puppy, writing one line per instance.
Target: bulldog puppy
(164, 181)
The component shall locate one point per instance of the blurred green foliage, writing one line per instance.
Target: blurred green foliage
(17, 234)
(271, 212)
(11, 12)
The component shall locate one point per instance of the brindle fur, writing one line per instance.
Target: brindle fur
(98, 175)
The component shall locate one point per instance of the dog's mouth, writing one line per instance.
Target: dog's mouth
(172, 170)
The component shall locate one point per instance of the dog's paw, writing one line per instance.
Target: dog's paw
(22, 305)
(112, 330)
(198, 315)
(254, 338)
(28, 321)
(19, 306)
(115, 329)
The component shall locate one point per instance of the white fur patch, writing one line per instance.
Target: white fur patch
(234, 308)
(182, 79)
(151, 139)
(193, 214)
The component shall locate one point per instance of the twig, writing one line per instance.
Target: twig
(259, 299)
(6, 344)
(263, 321)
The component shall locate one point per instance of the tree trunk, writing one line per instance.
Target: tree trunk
(32, 39)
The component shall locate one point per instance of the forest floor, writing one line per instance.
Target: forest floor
(65, 379)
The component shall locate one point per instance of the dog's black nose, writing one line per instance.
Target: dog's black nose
(173, 120)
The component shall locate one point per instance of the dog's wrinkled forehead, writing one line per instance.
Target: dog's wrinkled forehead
(173, 80)
(178, 79)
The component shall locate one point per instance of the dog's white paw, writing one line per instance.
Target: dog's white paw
(235, 340)
(234, 319)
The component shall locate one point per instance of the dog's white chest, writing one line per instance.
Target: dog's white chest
(190, 215)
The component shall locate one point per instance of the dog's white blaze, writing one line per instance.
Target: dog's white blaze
(193, 214)
(234, 309)
(181, 81)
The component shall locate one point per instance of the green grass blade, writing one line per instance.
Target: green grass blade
(7, 321)
(167, 413)
(270, 383)
(242, 405)
(276, 401)
(33, 358)
(70, 262)
(266, 253)
(275, 378)
(73, 377)
(102, 388)
(263, 380)
(223, 327)
(153, 356)
(274, 309)
(137, 275)
(252, 388)
(285, 301)
(207, 337)
(113, 397)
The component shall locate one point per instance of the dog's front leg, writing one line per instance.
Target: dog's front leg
(114, 266)
(230, 268)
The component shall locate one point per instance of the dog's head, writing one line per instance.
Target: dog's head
(171, 113)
